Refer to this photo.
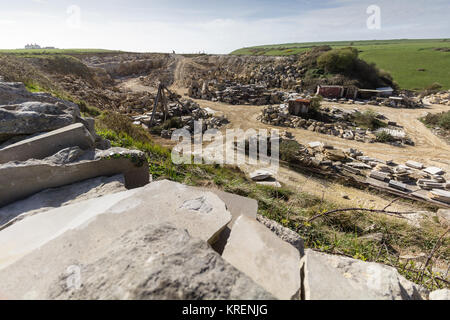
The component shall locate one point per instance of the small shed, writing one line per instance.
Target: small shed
(331, 92)
(299, 106)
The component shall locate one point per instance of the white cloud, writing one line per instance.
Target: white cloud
(344, 20)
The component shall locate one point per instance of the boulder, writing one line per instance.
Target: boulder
(59, 197)
(32, 117)
(283, 233)
(260, 254)
(237, 206)
(201, 213)
(108, 260)
(331, 277)
(16, 93)
(260, 175)
(443, 294)
(47, 144)
(22, 179)
(444, 216)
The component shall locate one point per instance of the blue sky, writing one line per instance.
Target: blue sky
(212, 26)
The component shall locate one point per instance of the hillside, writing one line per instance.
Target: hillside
(316, 210)
(414, 64)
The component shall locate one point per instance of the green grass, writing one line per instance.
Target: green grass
(401, 58)
(338, 234)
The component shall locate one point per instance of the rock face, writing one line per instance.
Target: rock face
(48, 144)
(68, 166)
(16, 93)
(145, 262)
(269, 261)
(33, 117)
(329, 277)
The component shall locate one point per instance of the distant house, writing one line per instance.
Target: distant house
(299, 106)
(32, 46)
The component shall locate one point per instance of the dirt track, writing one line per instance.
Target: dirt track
(429, 149)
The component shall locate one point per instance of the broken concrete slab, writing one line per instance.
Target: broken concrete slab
(269, 261)
(443, 294)
(145, 262)
(22, 179)
(201, 213)
(47, 144)
(331, 277)
(59, 197)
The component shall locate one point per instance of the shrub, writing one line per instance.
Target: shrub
(289, 150)
(384, 137)
(338, 60)
(368, 120)
(174, 122)
(438, 119)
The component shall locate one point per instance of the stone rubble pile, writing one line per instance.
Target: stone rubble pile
(401, 101)
(440, 98)
(184, 116)
(430, 183)
(235, 93)
(91, 214)
(339, 123)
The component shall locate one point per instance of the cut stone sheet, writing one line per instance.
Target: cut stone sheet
(414, 164)
(58, 197)
(434, 170)
(268, 260)
(22, 179)
(201, 213)
(48, 144)
(331, 277)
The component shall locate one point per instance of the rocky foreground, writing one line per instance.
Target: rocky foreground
(81, 220)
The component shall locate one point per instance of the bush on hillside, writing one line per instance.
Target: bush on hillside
(368, 120)
(338, 60)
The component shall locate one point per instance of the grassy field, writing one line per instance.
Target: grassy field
(414, 64)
